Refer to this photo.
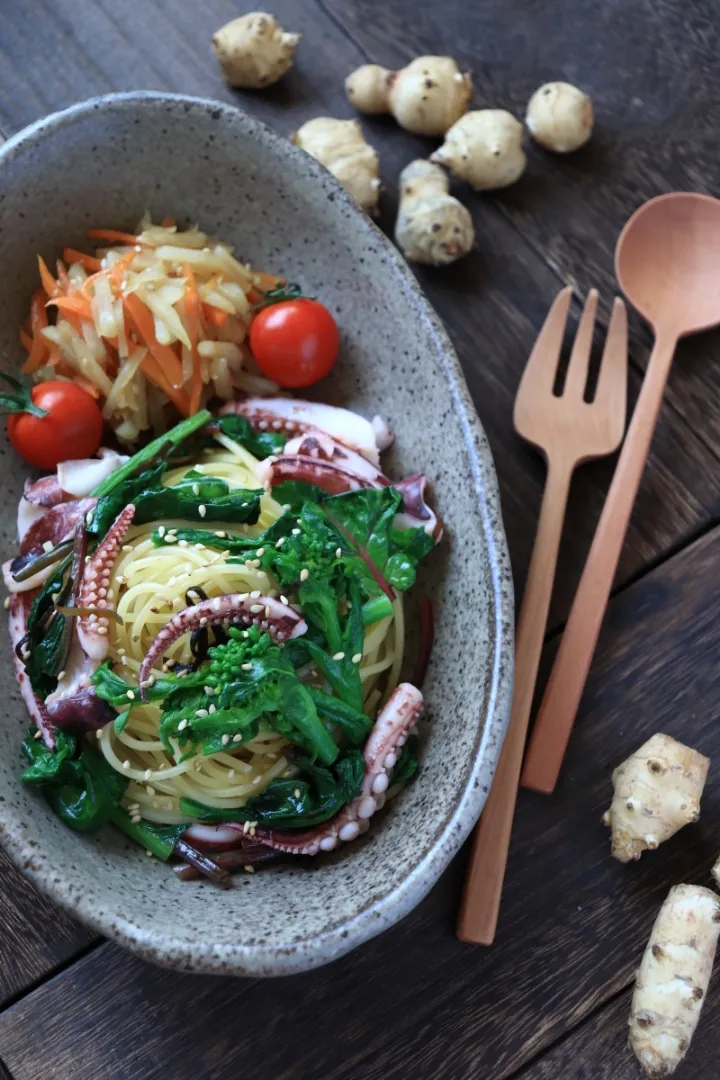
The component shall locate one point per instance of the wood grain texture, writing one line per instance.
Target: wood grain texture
(416, 1001)
(493, 302)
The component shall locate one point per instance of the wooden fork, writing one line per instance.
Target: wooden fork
(567, 430)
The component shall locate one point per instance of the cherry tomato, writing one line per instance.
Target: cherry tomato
(295, 342)
(72, 428)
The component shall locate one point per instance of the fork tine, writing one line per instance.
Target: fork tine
(612, 381)
(541, 368)
(576, 379)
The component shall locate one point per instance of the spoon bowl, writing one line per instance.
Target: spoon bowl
(667, 261)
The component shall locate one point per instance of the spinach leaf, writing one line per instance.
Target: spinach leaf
(260, 444)
(80, 785)
(315, 795)
(295, 493)
(406, 767)
(237, 545)
(353, 723)
(159, 839)
(46, 633)
(48, 766)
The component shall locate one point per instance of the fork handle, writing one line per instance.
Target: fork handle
(483, 887)
(564, 690)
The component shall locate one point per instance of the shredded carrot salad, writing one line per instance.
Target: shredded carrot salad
(151, 319)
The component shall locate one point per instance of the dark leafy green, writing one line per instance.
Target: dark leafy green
(260, 444)
(407, 765)
(45, 646)
(315, 795)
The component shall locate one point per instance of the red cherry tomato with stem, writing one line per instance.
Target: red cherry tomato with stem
(295, 342)
(53, 422)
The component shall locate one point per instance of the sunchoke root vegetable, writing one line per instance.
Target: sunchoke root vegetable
(254, 51)
(560, 117)
(432, 226)
(485, 148)
(340, 146)
(673, 978)
(655, 792)
(426, 97)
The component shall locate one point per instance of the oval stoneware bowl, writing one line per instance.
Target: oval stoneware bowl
(103, 163)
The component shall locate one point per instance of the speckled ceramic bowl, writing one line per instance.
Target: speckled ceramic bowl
(103, 163)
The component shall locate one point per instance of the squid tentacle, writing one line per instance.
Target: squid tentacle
(92, 630)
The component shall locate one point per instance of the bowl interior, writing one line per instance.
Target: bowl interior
(103, 164)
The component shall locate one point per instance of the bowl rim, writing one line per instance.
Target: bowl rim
(310, 952)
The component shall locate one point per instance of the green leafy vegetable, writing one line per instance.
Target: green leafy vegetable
(406, 767)
(46, 633)
(260, 444)
(315, 795)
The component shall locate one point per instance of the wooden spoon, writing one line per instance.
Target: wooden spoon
(668, 264)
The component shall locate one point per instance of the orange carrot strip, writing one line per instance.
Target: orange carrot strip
(192, 310)
(254, 296)
(25, 340)
(167, 360)
(49, 283)
(62, 275)
(38, 320)
(215, 315)
(266, 282)
(77, 305)
(113, 236)
(152, 370)
(91, 264)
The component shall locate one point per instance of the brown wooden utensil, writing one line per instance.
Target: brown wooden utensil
(567, 430)
(667, 261)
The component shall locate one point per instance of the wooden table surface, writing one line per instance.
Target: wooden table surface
(551, 998)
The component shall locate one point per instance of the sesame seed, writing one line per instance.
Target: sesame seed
(283, 599)
(296, 792)
(249, 868)
(231, 774)
(257, 779)
(182, 543)
(131, 694)
(170, 662)
(256, 608)
(202, 510)
(260, 552)
(217, 604)
(138, 248)
(6, 603)
(357, 658)
(212, 709)
(170, 539)
(127, 547)
(149, 854)
(296, 532)
(279, 543)
(267, 611)
(182, 725)
(304, 574)
(150, 790)
(38, 734)
(89, 517)
(126, 764)
(221, 534)
(196, 489)
(200, 468)
(133, 806)
(203, 621)
(339, 656)
(338, 553)
(202, 713)
(161, 531)
(238, 737)
(255, 594)
(48, 545)
(61, 675)
(148, 774)
(225, 740)
(246, 667)
(208, 690)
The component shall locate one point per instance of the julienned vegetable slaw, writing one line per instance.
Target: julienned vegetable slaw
(156, 323)
(209, 635)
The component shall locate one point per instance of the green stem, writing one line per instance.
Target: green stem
(172, 439)
(20, 400)
(379, 607)
(160, 843)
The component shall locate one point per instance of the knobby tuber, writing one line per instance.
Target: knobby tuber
(432, 226)
(254, 51)
(560, 117)
(426, 97)
(340, 146)
(673, 978)
(485, 148)
(655, 792)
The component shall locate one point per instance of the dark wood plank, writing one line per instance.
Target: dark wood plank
(649, 68)
(37, 936)
(416, 1001)
(493, 302)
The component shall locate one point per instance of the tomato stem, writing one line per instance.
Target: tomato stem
(290, 291)
(18, 399)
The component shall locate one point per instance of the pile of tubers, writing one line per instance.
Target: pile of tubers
(431, 97)
(656, 792)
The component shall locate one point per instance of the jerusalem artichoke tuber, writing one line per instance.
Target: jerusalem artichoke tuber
(426, 97)
(560, 117)
(484, 148)
(254, 51)
(673, 978)
(340, 146)
(432, 226)
(655, 792)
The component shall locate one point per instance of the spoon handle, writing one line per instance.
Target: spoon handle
(486, 870)
(567, 680)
